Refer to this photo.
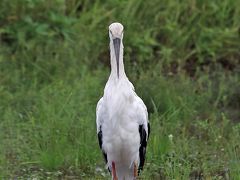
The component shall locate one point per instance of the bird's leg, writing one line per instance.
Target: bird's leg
(114, 171)
(135, 170)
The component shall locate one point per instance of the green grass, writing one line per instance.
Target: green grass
(182, 57)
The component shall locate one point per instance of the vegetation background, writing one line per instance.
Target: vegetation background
(182, 56)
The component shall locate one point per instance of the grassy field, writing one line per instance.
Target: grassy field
(182, 56)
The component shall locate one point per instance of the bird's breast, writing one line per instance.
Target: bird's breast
(121, 133)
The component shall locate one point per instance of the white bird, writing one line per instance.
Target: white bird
(122, 118)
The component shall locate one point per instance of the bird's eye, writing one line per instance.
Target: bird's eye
(110, 32)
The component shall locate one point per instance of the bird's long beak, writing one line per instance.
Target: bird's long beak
(116, 44)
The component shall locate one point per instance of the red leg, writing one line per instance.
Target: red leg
(114, 171)
(135, 170)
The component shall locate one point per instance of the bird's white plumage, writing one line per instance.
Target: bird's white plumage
(119, 113)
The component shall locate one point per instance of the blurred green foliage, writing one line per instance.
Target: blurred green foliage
(182, 56)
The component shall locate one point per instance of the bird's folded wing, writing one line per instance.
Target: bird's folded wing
(142, 114)
(144, 130)
(99, 114)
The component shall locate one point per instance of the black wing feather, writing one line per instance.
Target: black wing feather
(100, 145)
(143, 145)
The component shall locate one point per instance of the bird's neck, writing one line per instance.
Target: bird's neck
(114, 74)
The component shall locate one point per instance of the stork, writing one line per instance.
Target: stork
(121, 117)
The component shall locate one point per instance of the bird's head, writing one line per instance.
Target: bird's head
(116, 35)
(116, 31)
